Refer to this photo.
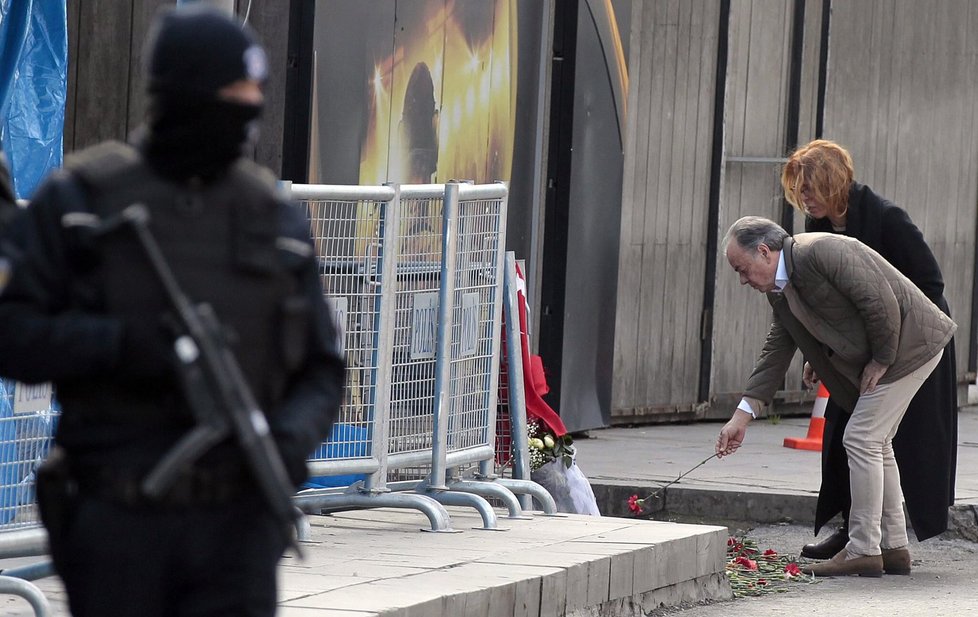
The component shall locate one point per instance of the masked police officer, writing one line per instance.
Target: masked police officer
(81, 307)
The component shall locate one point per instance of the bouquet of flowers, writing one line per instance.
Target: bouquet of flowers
(545, 446)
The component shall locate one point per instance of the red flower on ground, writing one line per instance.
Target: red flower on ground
(770, 554)
(750, 564)
(762, 581)
(635, 504)
(792, 569)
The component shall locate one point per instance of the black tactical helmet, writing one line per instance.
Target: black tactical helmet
(197, 50)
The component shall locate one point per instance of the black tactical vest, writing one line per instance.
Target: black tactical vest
(220, 240)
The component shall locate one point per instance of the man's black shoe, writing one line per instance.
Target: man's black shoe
(828, 547)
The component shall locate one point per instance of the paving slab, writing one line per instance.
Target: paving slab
(764, 482)
(372, 563)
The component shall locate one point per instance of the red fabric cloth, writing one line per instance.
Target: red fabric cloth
(534, 377)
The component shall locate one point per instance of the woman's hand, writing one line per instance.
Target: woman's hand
(809, 377)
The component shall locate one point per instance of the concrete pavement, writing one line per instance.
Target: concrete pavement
(764, 482)
(379, 562)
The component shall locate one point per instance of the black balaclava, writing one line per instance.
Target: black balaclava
(195, 51)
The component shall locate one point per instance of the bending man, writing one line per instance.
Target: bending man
(871, 336)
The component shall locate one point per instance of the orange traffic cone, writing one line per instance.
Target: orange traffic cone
(813, 441)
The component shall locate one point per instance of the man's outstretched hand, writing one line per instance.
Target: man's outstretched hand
(732, 434)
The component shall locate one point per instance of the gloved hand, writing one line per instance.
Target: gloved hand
(146, 348)
(294, 456)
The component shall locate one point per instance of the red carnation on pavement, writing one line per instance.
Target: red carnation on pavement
(750, 564)
(792, 569)
(771, 554)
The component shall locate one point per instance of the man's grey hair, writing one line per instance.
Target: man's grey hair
(752, 231)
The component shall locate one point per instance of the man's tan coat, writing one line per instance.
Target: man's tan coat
(857, 307)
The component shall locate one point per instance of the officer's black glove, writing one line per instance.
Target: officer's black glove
(294, 458)
(147, 348)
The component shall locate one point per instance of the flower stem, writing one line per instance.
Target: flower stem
(681, 476)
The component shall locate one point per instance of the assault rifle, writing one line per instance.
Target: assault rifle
(220, 398)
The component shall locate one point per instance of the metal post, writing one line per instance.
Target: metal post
(443, 361)
(384, 345)
(514, 377)
(497, 320)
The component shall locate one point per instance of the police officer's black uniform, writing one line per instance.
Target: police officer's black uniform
(8, 201)
(85, 311)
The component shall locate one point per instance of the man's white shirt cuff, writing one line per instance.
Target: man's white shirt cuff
(745, 407)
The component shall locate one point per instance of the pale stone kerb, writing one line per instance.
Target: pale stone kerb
(623, 574)
(553, 595)
(598, 581)
(711, 551)
(675, 561)
(643, 567)
(502, 600)
(576, 591)
(713, 587)
(528, 596)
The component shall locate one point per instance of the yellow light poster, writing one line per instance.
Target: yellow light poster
(424, 91)
(441, 104)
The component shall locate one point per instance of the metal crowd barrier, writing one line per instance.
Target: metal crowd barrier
(354, 230)
(467, 370)
(27, 423)
(427, 262)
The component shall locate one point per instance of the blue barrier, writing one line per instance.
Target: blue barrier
(345, 441)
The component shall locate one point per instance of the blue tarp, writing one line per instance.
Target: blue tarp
(33, 88)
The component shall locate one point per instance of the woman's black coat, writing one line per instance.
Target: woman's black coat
(926, 444)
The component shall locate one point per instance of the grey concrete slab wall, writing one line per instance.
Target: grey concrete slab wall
(899, 91)
(664, 207)
(105, 70)
(756, 105)
(902, 95)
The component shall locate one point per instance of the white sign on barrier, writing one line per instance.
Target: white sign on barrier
(341, 308)
(424, 325)
(31, 398)
(470, 324)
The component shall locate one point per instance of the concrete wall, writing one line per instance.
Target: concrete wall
(105, 60)
(900, 91)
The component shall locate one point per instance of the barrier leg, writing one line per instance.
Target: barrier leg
(314, 501)
(530, 488)
(489, 488)
(28, 591)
